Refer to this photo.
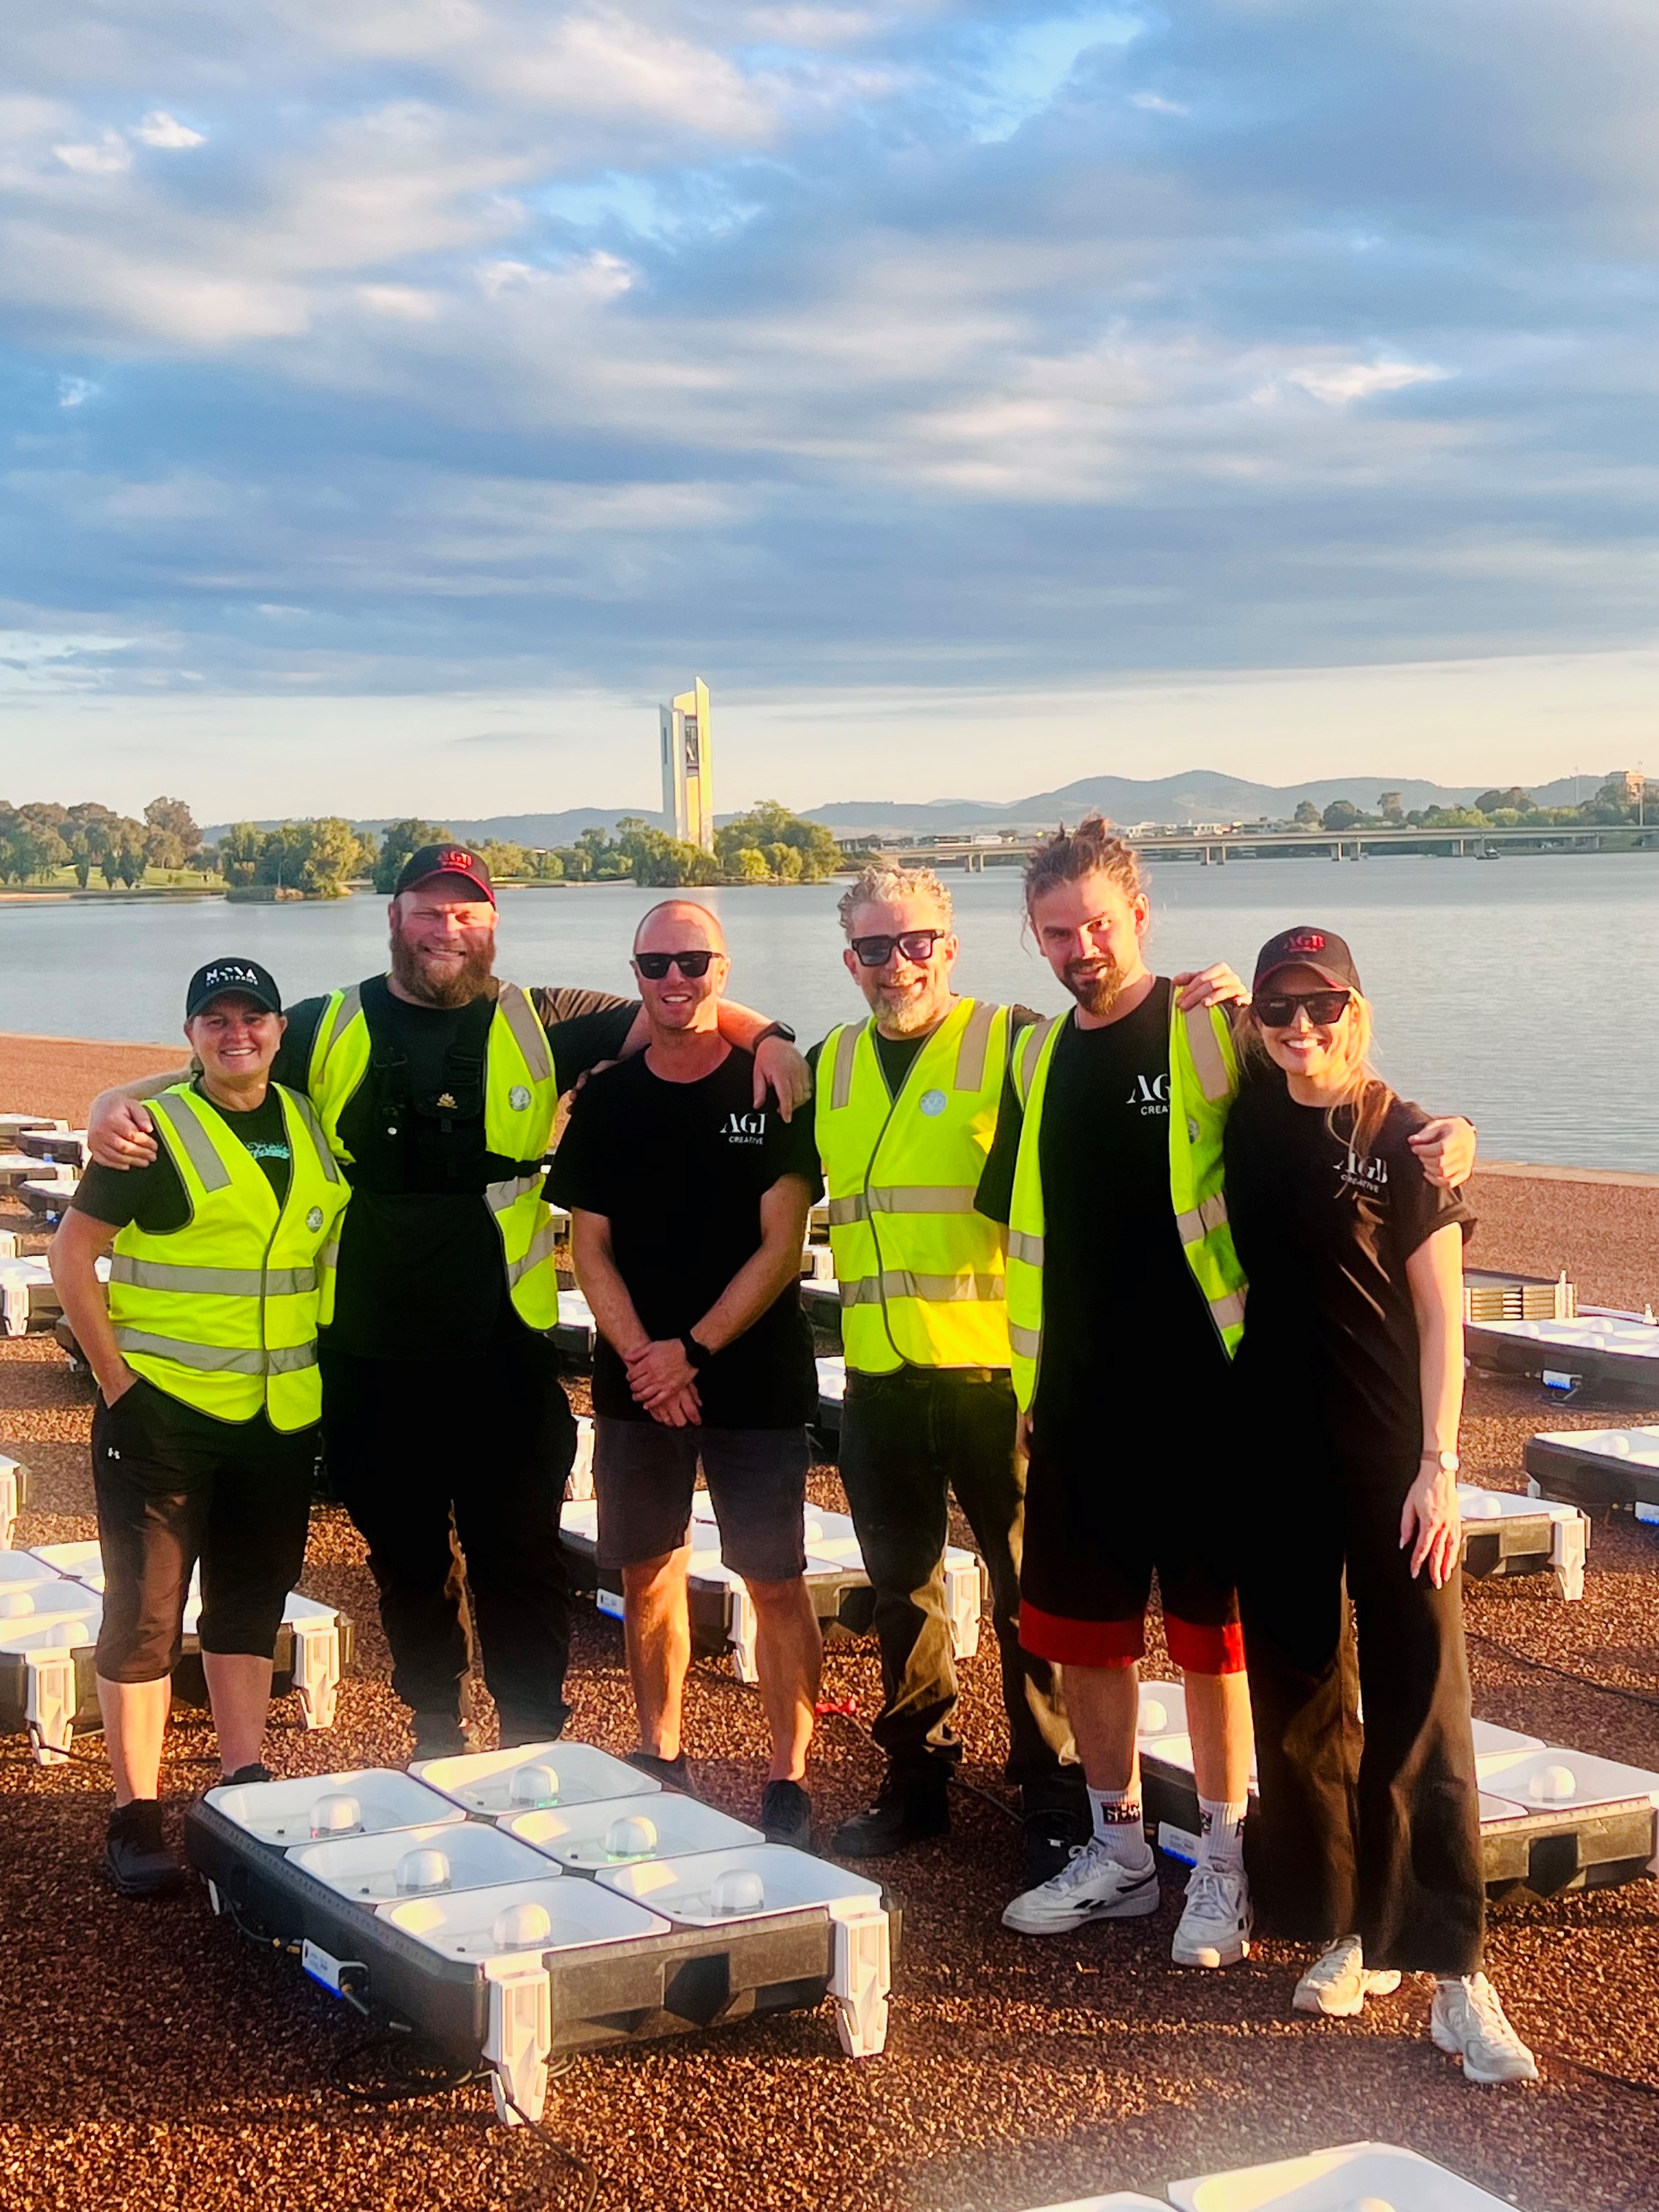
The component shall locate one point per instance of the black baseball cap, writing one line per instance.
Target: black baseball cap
(1306, 946)
(247, 978)
(444, 860)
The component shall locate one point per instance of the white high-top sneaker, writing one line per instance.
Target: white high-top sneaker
(1339, 1984)
(1092, 1885)
(1215, 1925)
(1467, 2022)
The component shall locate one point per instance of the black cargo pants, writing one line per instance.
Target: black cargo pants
(485, 1443)
(908, 1441)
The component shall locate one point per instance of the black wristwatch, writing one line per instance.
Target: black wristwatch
(697, 1355)
(774, 1029)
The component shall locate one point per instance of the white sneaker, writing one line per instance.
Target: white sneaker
(1467, 2022)
(1339, 1984)
(1216, 1923)
(1092, 1885)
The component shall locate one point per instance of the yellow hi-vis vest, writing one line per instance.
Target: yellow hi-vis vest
(522, 1097)
(1203, 1081)
(224, 1312)
(921, 1273)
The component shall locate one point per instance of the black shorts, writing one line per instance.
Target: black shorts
(1104, 1513)
(171, 1492)
(644, 1475)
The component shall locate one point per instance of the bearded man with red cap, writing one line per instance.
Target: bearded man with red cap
(438, 1086)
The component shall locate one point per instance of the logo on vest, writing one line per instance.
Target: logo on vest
(314, 1218)
(517, 1097)
(1150, 1094)
(743, 1128)
(932, 1103)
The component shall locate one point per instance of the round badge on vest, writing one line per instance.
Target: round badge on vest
(933, 1103)
(314, 1218)
(517, 1097)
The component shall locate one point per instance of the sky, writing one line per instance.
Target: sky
(400, 397)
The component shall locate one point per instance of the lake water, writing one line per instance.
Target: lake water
(1524, 993)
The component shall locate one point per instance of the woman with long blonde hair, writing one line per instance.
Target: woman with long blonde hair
(1350, 1382)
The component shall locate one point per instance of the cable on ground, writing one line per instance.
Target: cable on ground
(1565, 1674)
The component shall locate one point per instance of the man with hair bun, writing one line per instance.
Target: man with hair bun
(1125, 1303)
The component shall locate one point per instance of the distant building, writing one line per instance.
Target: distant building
(688, 776)
(1635, 785)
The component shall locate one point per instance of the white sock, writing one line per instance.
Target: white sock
(1221, 1835)
(1119, 1825)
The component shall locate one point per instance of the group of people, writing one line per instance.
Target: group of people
(1167, 1286)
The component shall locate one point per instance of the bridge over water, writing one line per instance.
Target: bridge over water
(1213, 848)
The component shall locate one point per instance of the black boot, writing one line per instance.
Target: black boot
(911, 1805)
(439, 1735)
(137, 1857)
(1053, 1831)
(672, 1773)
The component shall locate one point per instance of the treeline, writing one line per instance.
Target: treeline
(322, 856)
(1615, 802)
(40, 840)
(768, 845)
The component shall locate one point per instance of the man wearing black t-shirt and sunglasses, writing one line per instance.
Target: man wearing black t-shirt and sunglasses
(441, 1400)
(688, 1209)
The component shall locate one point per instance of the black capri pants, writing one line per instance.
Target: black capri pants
(1372, 1830)
(174, 1487)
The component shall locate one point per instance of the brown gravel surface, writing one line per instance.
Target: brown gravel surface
(149, 2059)
(64, 1075)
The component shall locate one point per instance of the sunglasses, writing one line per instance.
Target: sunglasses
(1323, 1008)
(656, 965)
(916, 945)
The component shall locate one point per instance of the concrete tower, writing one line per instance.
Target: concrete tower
(688, 776)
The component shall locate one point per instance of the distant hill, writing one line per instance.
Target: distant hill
(1198, 794)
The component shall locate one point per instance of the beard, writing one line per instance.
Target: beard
(1096, 985)
(903, 1013)
(411, 969)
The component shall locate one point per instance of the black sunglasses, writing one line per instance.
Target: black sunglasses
(1323, 1008)
(656, 965)
(916, 945)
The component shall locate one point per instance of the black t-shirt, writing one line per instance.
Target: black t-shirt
(153, 1197)
(679, 1170)
(421, 1272)
(1324, 1234)
(1120, 1307)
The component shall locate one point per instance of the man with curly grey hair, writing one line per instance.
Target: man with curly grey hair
(906, 1112)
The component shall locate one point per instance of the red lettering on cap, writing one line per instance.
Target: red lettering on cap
(1305, 940)
(464, 861)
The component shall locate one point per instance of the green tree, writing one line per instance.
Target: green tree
(238, 853)
(315, 857)
(768, 826)
(1340, 814)
(748, 865)
(548, 867)
(1513, 800)
(787, 862)
(173, 835)
(86, 831)
(397, 840)
(1306, 816)
(129, 853)
(575, 860)
(1389, 806)
(505, 862)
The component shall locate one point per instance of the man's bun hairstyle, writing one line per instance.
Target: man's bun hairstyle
(1092, 848)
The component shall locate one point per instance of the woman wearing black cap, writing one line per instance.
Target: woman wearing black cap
(205, 1347)
(1351, 1372)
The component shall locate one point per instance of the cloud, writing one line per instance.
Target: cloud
(161, 129)
(882, 341)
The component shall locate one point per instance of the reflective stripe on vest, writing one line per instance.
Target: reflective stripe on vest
(920, 1270)
(224, 1313)
(521, 1103)
(1203, 1079)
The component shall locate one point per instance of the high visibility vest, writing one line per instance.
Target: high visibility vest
(921, 1274)
(521, 1098)
(1203, 1082)
(224, 1312)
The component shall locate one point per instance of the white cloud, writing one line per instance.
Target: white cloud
(1157, 105)
(76, 390)
(108, 155)
(1337, 382)
(161, 129)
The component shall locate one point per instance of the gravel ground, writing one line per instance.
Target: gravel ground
(149, 2059)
